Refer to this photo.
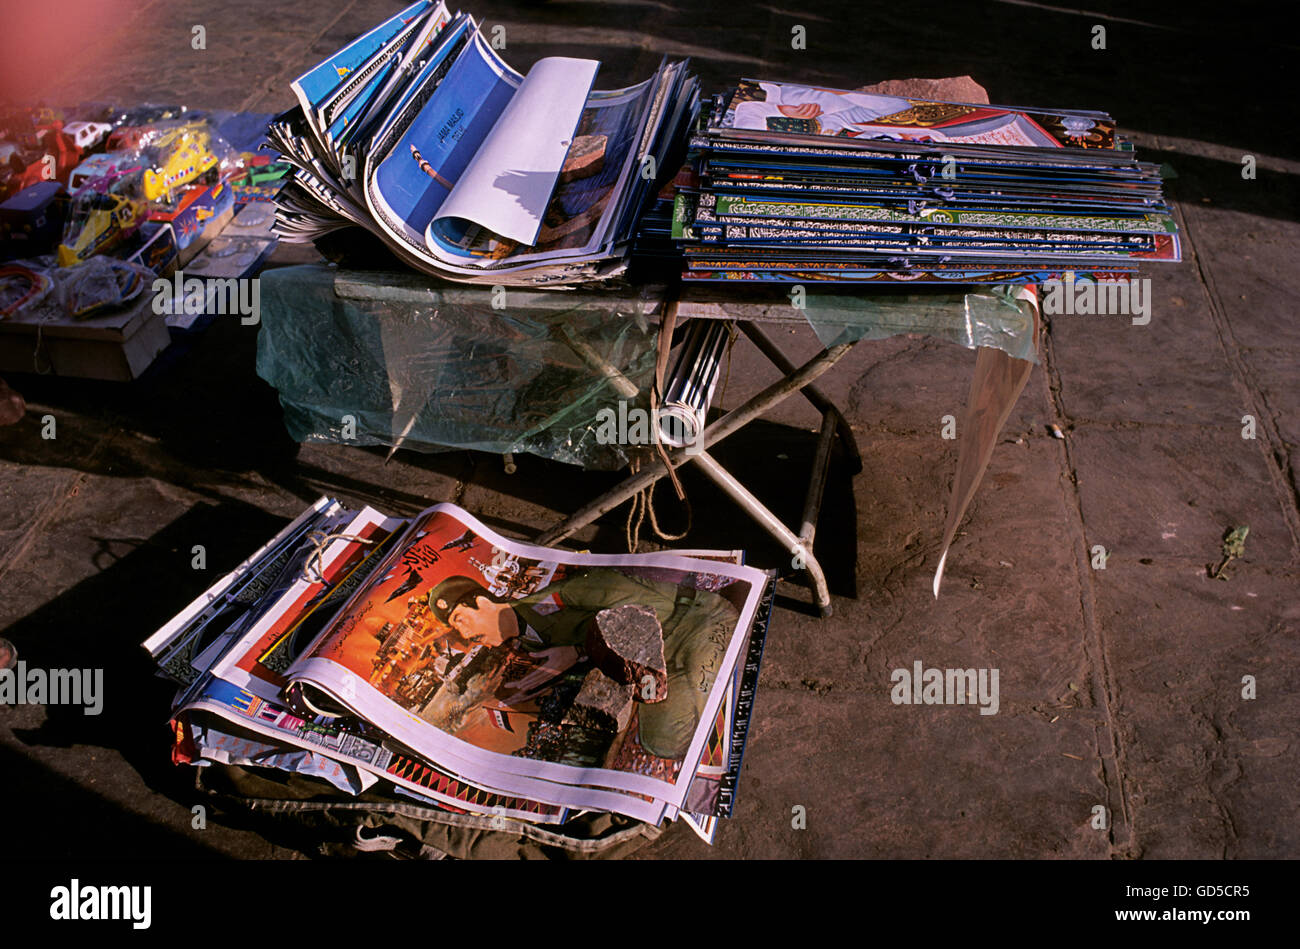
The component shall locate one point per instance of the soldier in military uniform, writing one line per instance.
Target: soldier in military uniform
(697, 626)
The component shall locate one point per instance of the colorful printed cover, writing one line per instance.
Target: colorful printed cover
(470, 649)
(802, 110)
(215, 720)
(314, 87)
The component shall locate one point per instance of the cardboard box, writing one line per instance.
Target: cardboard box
(117, 347)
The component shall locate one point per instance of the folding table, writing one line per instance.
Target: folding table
(404, 358)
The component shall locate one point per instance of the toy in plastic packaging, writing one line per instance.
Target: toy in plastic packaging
(88, 134)
(97, 223)
(181, 156)
(137, 127)
(100, 284)
(21, 286)
(109, 171)
(43, 152)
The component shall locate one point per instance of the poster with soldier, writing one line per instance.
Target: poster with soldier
(586, 680)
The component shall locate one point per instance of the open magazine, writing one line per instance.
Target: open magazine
(475, 650)
(419, 132)
(448, 664)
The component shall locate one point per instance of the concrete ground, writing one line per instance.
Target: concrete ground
(1120, 687)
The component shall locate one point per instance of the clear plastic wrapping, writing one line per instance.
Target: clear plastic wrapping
(433, 367)
(400, 359)
(989, 316)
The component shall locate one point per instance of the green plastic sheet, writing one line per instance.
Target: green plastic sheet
(372, 358)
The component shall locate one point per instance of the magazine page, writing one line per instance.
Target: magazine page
(478, 652)
(178, 633)
(314, 87)
(328, 739)
(800, 110)
(432, 65)
(244, 605)
(702, 798)
(579, 212)
(213, 743)
(413, 57)
(410, 184)
(460, 196)
(419, 133)
(366, 750)
(368, 86)
(242, 664)
(366, 78)
(262, 676)
(508, 184)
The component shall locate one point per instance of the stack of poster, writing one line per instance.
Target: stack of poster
(420, 133)
(792, 183)
(434, 659)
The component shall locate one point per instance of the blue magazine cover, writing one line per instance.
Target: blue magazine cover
(314, 86)
(424, 165)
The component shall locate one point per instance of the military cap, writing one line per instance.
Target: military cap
(452, 592)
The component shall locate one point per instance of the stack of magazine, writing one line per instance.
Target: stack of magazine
(420, 133)
(431, 660)
(792, 183)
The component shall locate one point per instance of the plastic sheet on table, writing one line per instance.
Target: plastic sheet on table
(989, 317)
(397, 359)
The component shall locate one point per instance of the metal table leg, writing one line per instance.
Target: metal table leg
(800, 545)
(742, 415)
(811, 393)
(801, 549)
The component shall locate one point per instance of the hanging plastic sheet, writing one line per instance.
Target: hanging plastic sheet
(398, 359)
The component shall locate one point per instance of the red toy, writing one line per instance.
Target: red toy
(51, 157)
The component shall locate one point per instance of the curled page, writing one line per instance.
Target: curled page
(509, 182)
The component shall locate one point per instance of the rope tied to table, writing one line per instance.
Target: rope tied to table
(643, 500)
(643, 505)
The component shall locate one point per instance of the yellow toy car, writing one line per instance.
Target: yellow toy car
(186, 153)
(96, 223)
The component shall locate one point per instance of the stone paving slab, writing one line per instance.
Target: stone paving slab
(1203, 765)
(1160, 494)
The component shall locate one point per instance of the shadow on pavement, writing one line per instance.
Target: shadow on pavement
(100, 623)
